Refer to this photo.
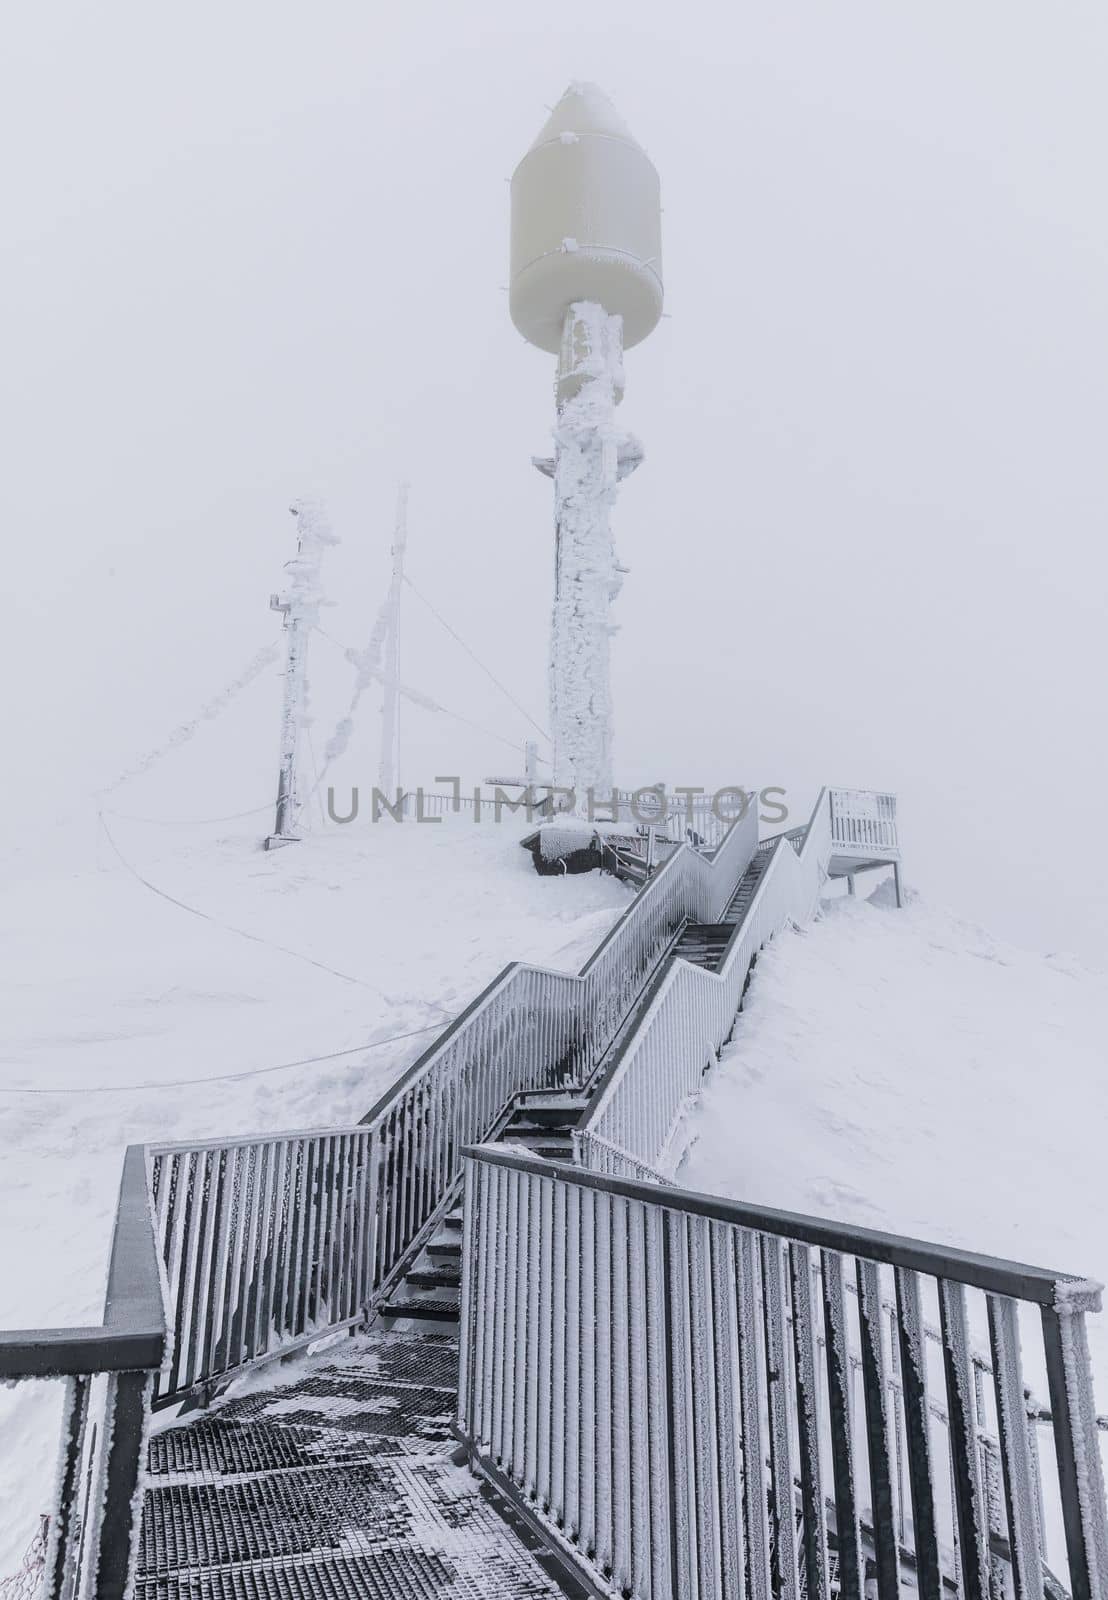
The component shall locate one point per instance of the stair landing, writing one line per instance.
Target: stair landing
(338, 1483)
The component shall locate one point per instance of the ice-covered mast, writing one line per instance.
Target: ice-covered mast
(300, 605)
(586, 284)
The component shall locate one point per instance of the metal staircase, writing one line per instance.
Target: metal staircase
(622, 1345)
(430, 1289)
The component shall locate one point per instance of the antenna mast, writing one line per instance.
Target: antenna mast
(300, 607)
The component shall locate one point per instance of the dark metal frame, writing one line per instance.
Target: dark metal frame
(93, 1526)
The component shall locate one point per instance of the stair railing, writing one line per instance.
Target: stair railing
(663, 1381)
(639, 1108)
(270, 1242)
(108, 1372)
(863, 822)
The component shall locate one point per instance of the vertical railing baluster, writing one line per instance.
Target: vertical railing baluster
(320, 1311)
(533, 1356)
(621, 1381)
(728, 1383)
(189, 1166)
(913, 1353)
(704, 1460)
(521, 1349)
(559, 1399)
(115, 1513)
(235, 1186)
(679, 1388)
(639, 1384)
(470, 1296)
(300, 1178)
(603, 1291)
(875, 1388)
(510, 1334)
(284, 1205)
(258, 1221)
(837, 1350)
(489, 1246)
(546, 1396)
(60, 1570)
(969, 1512)
(755, 1506)
(813, 1524)
(1076, 1437)
(783, 1522)
(199, 1358)
(1024, 1534)
(340, 1267)
(576, 1312)
(590, 1335)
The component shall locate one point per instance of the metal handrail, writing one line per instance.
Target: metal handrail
(268, 1242)
(109, 1373)
(260, 1245)
(1041, 1286)
(641, 1098)
(132, 1334)
(666, 1380)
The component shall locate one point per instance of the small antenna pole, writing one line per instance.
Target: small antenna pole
(299, 606)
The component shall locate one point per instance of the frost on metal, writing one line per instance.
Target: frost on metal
(300, 604)
(1084, 1439)
(591, 455)
(1077, 1294)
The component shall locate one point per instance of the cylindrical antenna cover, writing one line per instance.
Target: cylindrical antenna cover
(586, 223)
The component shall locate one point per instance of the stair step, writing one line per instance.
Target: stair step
(549, 1099)
(545, 1144)
(546, 1121)
(445, 1249)
(533, 1138)
(431, 1277)
(422, 1310)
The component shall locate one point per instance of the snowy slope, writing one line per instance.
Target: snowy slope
(907, 1071)
(358, 934)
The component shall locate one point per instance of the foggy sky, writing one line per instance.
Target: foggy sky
(254, 252)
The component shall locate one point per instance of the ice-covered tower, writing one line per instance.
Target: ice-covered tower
(586, 284)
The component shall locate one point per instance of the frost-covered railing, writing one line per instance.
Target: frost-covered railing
(863, 823)
(637, 1113)
(699, 819)
(107, 1371)
(683, 1392)
(271, 1242)
(248, 1248)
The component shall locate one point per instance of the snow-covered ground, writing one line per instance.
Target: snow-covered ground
(903, 1070)
(137, 1012)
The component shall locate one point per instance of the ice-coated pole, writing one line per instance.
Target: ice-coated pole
(300, 607)
(586, 284)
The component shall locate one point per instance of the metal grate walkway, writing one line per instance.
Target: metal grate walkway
(340, 1483)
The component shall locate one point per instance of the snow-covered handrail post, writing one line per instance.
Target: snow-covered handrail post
(670, 1345)
(300, 607)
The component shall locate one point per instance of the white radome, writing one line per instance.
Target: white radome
(586, 223)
